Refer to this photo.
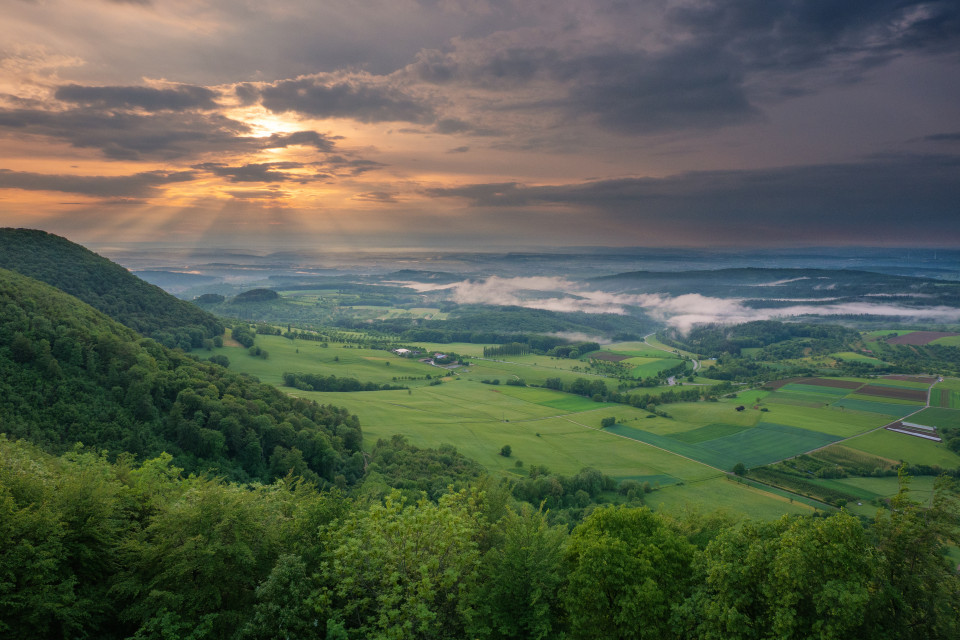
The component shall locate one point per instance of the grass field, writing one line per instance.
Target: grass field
(650, 368)
(756, 446)
(826, 420)
(899, 446)
(874, 406)
(720, 493)
(684, 452)
(851, 356)
(938, 417)
(948, 341)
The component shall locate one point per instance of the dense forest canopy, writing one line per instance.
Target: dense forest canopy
(70, 374)
(120, 550)
(107, 287)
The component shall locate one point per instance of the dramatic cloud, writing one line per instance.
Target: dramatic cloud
(868, 198)
(138, 185)
(132, 136)
(179, 99)
(262, 172)
(362, 98)
(499, 122)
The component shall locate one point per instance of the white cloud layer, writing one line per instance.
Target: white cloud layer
(681, 312)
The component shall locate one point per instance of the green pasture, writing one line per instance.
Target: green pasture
(751, 397)
(937, 417)
(720, 493)
(826, 420)
(896, 410)
(949, 383)
(948, 341)
(648, 368)
(900, 446)
(562, 402)
(850, 356)
(304, 356)
(750, 351)
(882, 333)
(530, 373)
(763, 444)
(636, 349)
(700, 414)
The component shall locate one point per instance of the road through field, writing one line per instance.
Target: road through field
(696, 363)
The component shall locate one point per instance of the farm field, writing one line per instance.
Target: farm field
(687, 452)
(719, 493)
(898, 446)
(938, 417)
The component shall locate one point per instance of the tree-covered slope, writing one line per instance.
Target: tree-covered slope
(70, 374)
(107, 287)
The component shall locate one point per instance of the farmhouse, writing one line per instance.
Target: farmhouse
(402, 351)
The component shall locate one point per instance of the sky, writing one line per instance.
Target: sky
(482, 124)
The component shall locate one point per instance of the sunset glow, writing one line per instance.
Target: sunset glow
(482, 124)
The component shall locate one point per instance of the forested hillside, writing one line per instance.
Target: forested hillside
(70, 374)
(94, 549)
(107, 287)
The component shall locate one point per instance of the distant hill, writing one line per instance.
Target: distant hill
(107, 287)
(70, 374)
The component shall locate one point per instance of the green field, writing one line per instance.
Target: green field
(720, 493)
(814, 389)
(875, 406)
(684, 452)
(901, 384)
(826, 420)
(756, 446)
(635, 349)
(648, 367)
(899, 446)
(937, 417)
(949, 341)
(850, 356)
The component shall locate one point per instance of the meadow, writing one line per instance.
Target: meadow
(687, 452)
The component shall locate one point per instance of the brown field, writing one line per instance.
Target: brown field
(927, 379)
(609, 357)
(920, 337)
(893, 392)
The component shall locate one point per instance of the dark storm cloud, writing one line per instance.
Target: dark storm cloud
(364, 101)
(944, 137)
(637, 93)
(136, 185)
(711, 66)
(791, 35)
(179, 99)
(873, 198)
